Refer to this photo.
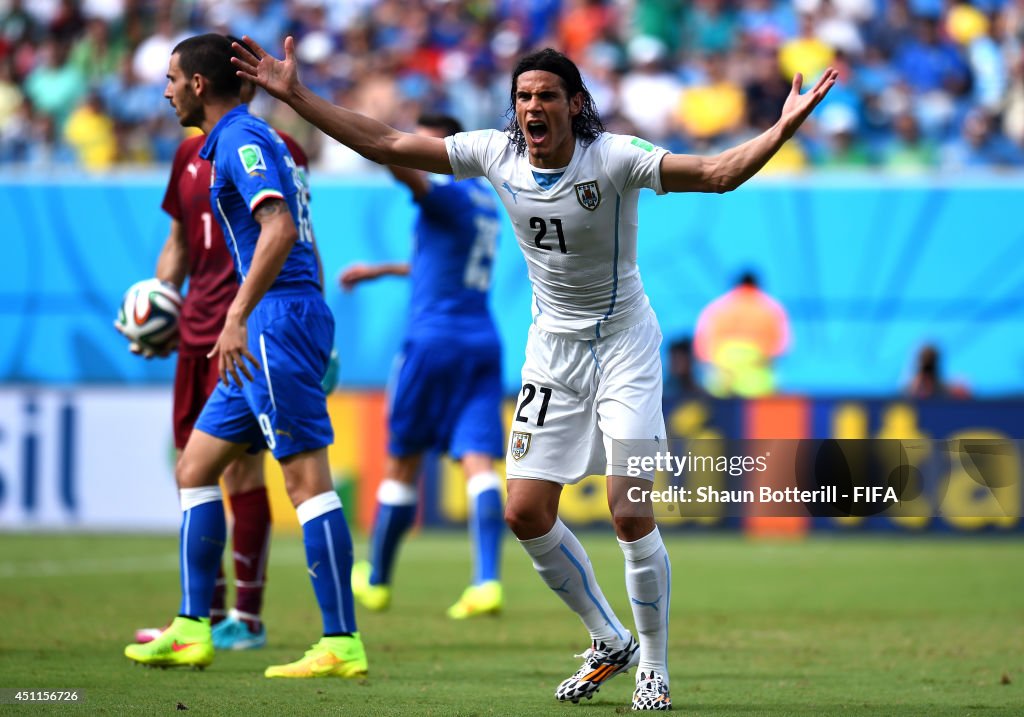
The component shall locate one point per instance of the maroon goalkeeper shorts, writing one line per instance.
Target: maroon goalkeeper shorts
(194, 380)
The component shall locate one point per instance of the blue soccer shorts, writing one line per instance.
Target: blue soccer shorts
(446, 395)
(284, 407)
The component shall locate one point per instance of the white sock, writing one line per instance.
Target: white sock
(648, 583)
(564, 567)
(393, 492)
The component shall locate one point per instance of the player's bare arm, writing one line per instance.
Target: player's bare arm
(172, 264)
(414, 179)
(728, 170)
(277, 236)
(358, 273)
(374, 140)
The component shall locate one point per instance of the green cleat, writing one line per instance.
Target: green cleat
(483, 599)
(372, 597)
(331, 657)
(186, 643)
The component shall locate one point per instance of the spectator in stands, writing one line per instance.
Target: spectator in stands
(765, 92)
(649, 92)
(980, 145)
(584, 22)
(17, 28)
(714, 108)
(66, 22)
(765, 24)
(710, 28)
(11, 96)
(96, 55)
(928, 380)
(55, 86)
(930, 63)
(908, 150)
(90, 133)
(842, 149)
(682, 379)
(739, 336)
(805, 53)
(940, 60)
(151, 55)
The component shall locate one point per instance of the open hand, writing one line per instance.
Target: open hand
(799, 106)
(232, 352)
(278, 77)
(145, 350)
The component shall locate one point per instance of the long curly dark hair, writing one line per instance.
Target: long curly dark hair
(586, 126)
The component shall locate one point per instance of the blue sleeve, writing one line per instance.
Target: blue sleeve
(444, 202)
(249, 158)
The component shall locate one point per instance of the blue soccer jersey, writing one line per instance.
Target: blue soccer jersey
(291, 330)
(456, 238)
(251, 163)
(445, 393)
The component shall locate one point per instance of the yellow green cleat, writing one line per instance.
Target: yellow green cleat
(186, 643)
(331, 657)
(372, 597)
(483, 599)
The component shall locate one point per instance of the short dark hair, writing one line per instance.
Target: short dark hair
(210, 55)
(446, 123)
(586, 126)
(748, 278)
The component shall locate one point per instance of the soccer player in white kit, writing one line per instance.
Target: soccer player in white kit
(591, 390)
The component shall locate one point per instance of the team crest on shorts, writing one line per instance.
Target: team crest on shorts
(588, 194)
(520, 444)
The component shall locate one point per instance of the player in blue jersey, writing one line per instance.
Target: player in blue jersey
(446, 390)
(272, 354)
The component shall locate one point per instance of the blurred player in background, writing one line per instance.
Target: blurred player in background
(276, 401)
(195, 249)
(592, 382)
(446, 392)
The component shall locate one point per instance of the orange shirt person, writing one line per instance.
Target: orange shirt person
(739, 335)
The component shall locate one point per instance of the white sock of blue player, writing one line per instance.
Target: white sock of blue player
(396, 512)
(203, 534)
(649, 586)
(486, 525)
(329, 560)
(564, 566)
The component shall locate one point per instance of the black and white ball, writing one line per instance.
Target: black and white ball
(149, 313)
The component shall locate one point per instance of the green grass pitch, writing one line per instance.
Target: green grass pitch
(830, 626)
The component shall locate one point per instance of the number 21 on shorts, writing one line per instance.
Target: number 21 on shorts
(530, 392)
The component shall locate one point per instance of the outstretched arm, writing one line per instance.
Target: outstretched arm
(358, 273)
(374, 140)
(728, 170)
(415, 180)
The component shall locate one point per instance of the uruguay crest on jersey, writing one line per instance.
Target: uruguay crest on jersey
(588, 194)
(520, 444)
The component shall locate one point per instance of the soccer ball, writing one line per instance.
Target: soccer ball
(149, 313)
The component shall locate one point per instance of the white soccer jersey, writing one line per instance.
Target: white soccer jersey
(578, 236)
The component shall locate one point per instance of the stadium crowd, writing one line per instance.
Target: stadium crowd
(924, 85)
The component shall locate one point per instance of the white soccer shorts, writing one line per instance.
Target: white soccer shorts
(586, 406)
